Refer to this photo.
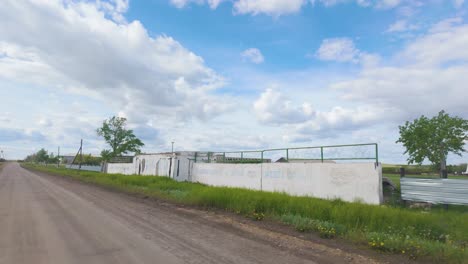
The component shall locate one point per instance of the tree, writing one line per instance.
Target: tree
(434, 138)
(120, 139)
(52, 159)
(42, 156)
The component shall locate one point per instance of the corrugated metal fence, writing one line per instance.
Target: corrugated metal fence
(436, 191)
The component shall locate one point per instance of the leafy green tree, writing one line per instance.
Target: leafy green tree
(120, 139)
(53, 159)
(42, 156)
(434, 138)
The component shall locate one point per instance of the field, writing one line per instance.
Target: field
(436, 236)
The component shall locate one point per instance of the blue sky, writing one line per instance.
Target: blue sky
(230, 74)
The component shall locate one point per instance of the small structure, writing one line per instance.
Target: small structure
(175, 165)
(67, 159)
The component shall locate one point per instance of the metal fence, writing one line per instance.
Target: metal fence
(356, 152)
(435, 191)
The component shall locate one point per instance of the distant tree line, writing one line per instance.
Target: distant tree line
(88, 159)
(43, 156)
(424, 169)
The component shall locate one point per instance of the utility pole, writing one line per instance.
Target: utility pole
(58, 157)
(172, 147)
(81, 154)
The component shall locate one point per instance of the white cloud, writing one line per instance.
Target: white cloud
(427, 75)
(430, 74)
(253, 55)
(74, 46)
(379, 4)
(114, 7)
(344, 50)
(458, 3)
(445, 44)
(446, 25)
(337, 49)
(213, 4)
(284, 7)
(387, 4)
(401, 26)
(272, 107)
(269, 7)
(338, 120)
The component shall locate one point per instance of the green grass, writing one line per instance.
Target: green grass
(439, 236)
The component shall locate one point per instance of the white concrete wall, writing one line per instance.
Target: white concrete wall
(183, 167)
(152, 164)
(122, 168)
(176, 166)
(97, 168)
(232, 175)
(349, 182)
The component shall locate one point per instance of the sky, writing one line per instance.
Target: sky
(224, 75)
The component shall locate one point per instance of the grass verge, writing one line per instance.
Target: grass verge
(436, 236)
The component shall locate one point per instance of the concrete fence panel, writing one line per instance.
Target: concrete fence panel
(122, 168)
(349, 182)
(97, 168)
(231, 175)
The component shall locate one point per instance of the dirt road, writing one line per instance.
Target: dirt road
(48, 219)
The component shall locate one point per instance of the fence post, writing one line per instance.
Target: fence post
(321, 154)
(402, 174)
(377, 154)
(444, 176)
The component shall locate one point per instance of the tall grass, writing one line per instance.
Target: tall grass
(437, 235)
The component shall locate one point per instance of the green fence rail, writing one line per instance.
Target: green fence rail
(366, 151)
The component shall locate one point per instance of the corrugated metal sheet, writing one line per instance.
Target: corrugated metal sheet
(436, 191)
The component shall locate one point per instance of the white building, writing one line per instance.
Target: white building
(175, 165)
